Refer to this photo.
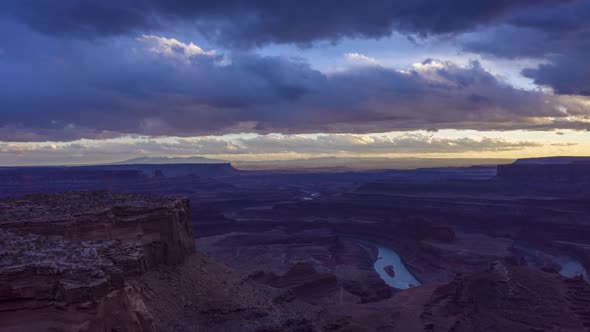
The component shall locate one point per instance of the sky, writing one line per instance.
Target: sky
(95, 81)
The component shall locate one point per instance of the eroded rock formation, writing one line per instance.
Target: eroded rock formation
(72, 261)
(509, 298)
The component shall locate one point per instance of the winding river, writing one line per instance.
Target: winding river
(401, 278)
(392, 270)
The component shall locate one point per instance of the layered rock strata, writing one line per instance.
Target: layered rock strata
(71, 262)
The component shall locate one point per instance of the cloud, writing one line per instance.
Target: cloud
(358, 58)
(566, 74)
(161, 86)
(86, 151)
(380, 144)
(558, 34)
(553, 30)
(565, 144)
(175, 49)
(257, 22)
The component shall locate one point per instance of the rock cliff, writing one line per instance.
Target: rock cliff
(98, 261)
(71, 262)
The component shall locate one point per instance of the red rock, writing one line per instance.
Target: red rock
(77, 258)
(509, 298)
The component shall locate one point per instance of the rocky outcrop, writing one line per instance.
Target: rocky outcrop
(389, 270)
(509, 298)
(52, 283)
(71, 262)
(159, 225)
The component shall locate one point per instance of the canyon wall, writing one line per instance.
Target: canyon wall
(72, 262)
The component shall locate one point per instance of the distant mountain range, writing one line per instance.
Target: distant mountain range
(334, 163)
(170, 160)
(368, 163)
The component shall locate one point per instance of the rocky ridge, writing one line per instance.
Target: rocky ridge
(509, 298)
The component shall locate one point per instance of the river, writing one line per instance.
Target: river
(567, 266)
(402, 278)
(570, 267)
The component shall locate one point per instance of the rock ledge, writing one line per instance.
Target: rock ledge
(72, 261)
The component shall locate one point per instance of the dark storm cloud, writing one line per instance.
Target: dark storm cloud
(257, 22)
(158, 86)
(559, 34)
(565, 74)
(537, 32)
(96, 69)
(511, 29)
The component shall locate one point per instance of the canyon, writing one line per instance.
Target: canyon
(211, 247)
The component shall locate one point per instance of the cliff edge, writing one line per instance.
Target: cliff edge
(72, 261)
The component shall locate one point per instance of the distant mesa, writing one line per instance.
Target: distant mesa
(180, 169)
(174, 166)
(561, 169)
(170, 160)
(558, 160)
(343, 164)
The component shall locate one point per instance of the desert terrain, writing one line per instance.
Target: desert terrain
(211, 247)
